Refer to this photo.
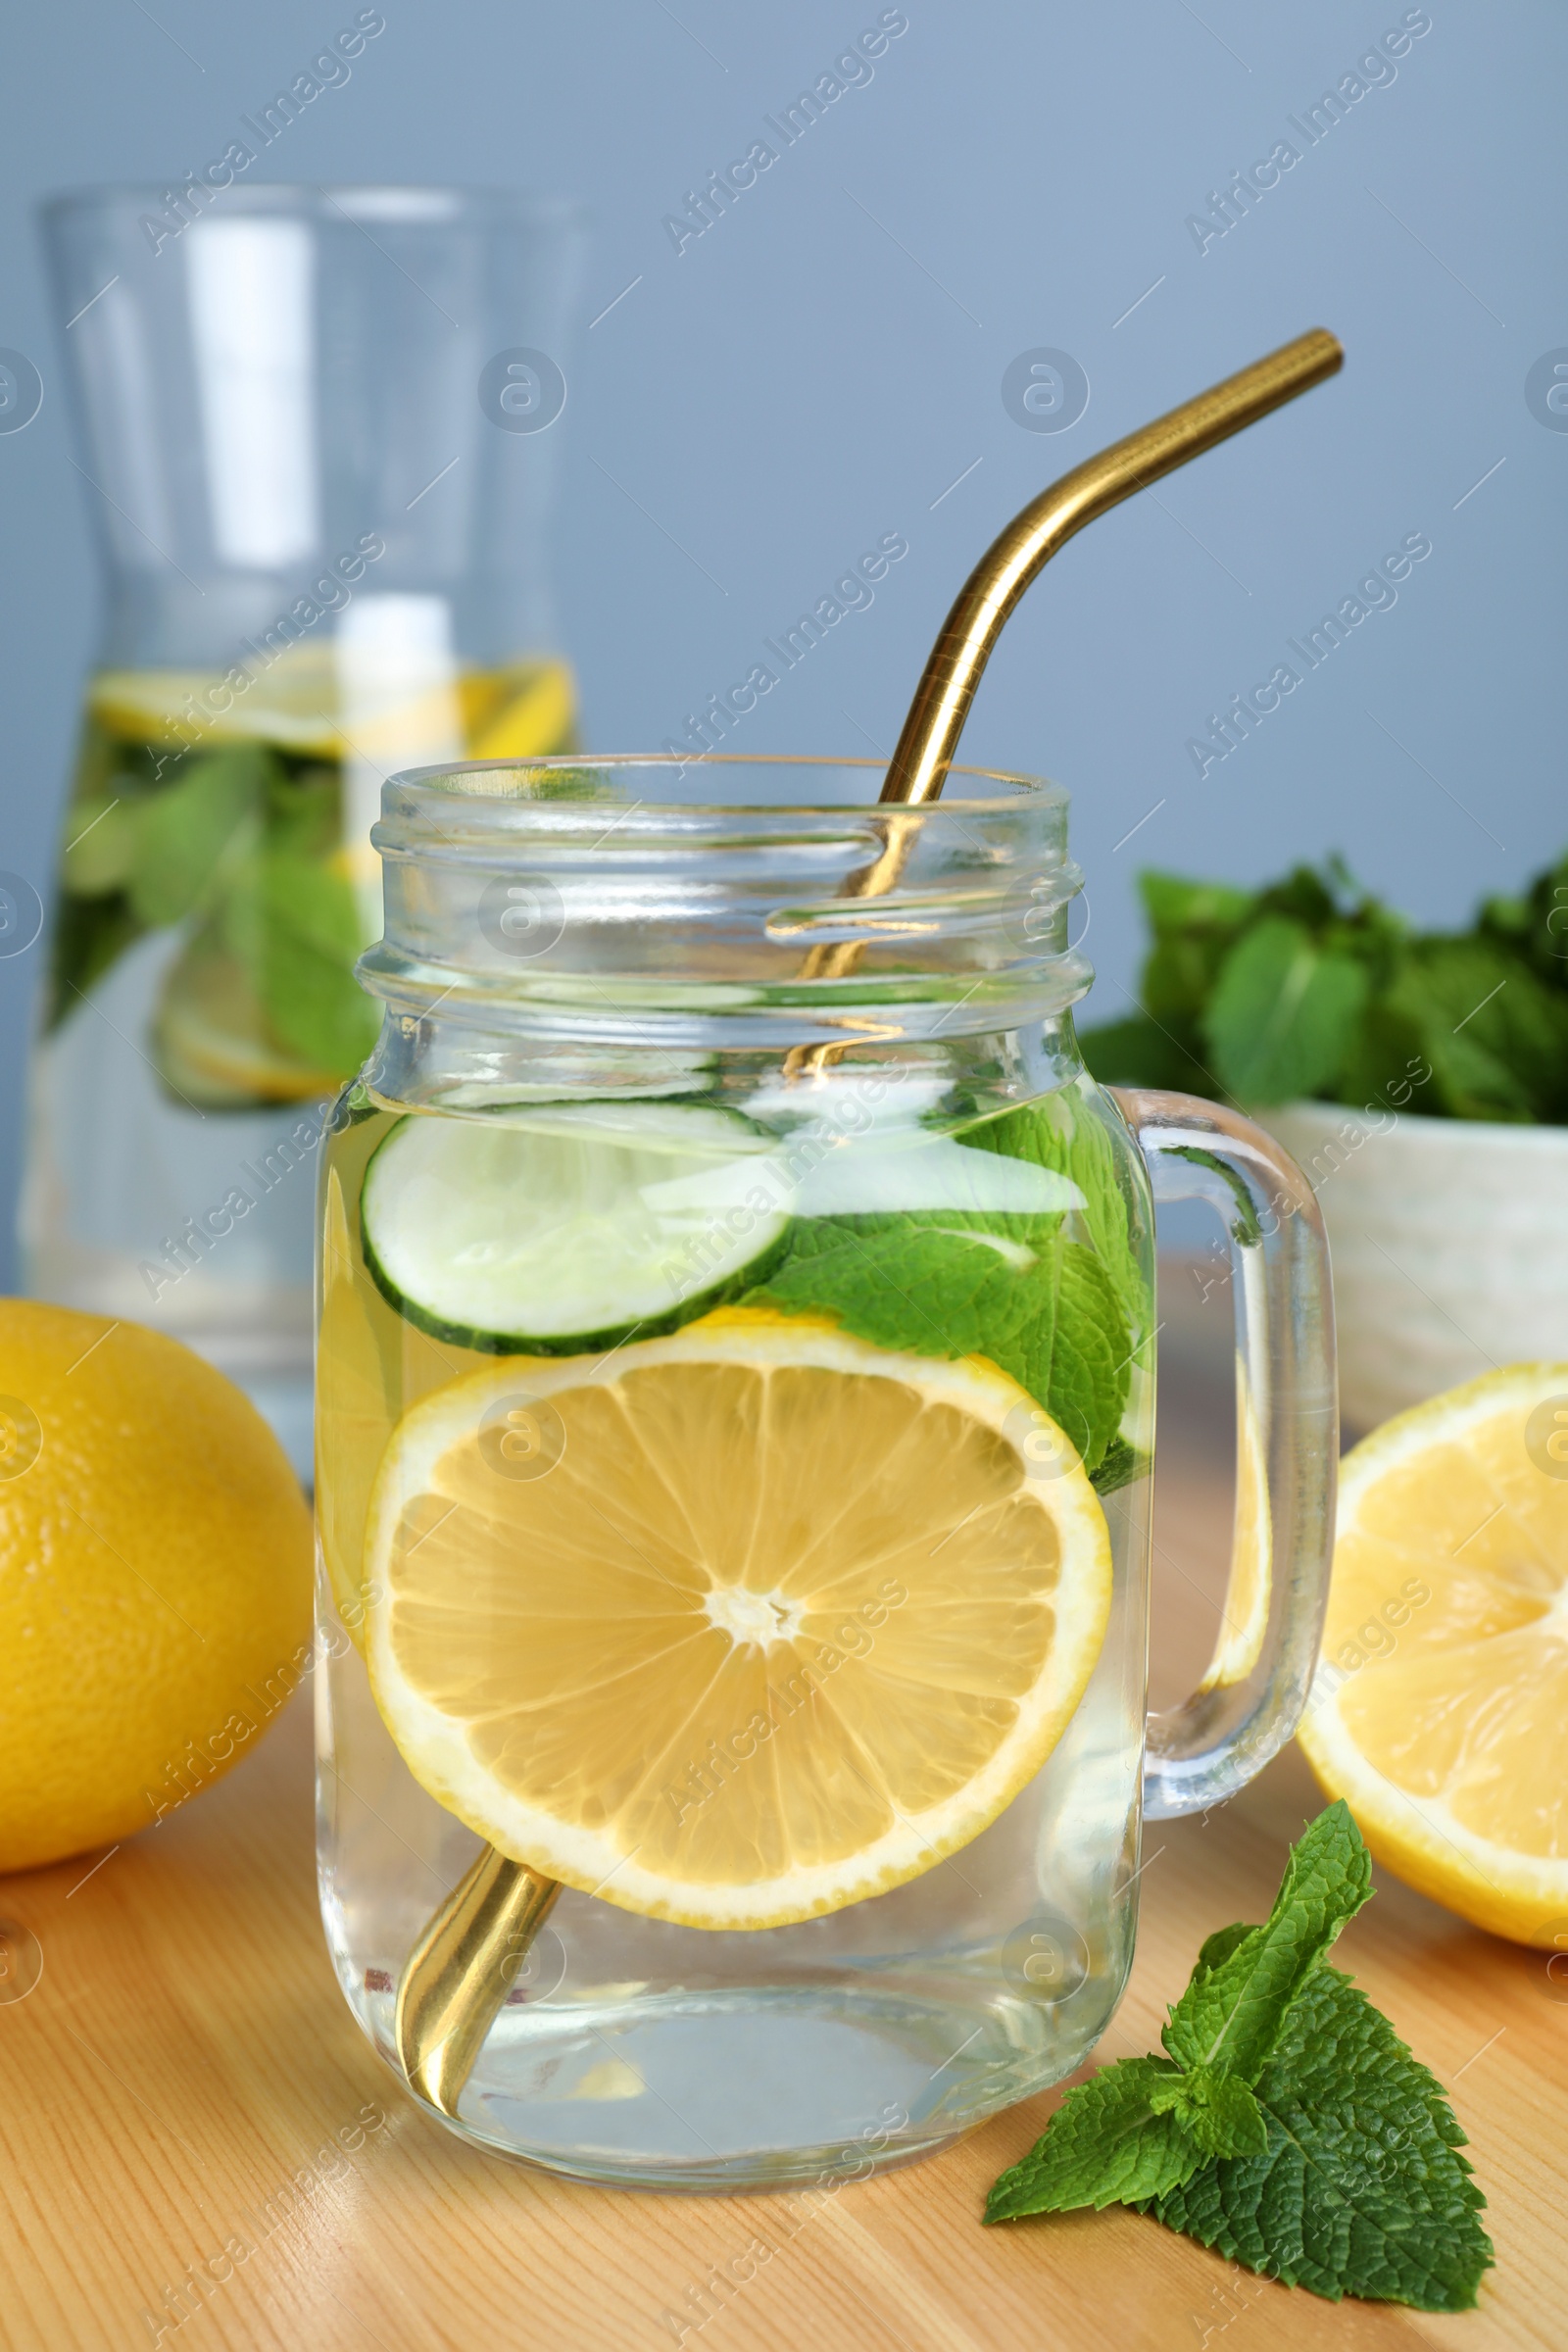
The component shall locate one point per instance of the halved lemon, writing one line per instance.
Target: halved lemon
(737, 1626)
(1439, 1711)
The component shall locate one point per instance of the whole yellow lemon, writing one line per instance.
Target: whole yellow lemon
(155, 1579)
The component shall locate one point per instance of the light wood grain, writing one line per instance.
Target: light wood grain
(185, 2061)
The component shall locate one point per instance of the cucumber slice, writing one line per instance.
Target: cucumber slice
(886, 1175)
(533, 1232)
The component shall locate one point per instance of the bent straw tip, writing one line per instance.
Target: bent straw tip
(1325, 345)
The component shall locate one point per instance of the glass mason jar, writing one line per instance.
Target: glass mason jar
(317, 468)
(735, 1423)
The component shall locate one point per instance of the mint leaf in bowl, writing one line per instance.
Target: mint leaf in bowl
(1311, 987)
(1283, 1013)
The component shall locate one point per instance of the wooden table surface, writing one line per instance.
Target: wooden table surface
(184, 2078)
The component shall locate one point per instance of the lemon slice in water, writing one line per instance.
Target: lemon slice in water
(736, 1626)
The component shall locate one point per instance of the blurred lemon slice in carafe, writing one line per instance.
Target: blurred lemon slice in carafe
(518, 710)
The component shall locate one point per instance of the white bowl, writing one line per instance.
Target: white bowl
(1450, 1240)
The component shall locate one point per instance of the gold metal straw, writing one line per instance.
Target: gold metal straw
(457, 1974)
(462, 1969)
(924, 750)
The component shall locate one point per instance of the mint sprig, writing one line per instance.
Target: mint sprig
(1230, 2016)
(1287, 2126)
(1060, 1315)
(1312, 986)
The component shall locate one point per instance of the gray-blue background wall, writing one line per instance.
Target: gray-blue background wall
(826, 365)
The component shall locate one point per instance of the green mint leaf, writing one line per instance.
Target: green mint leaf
(1246, 1227)
(1066, 1135)
(568, 783)
(1283, 1013)
(1119, 1466)
(89, 937)
(183, 829)
(103, 836)
(1104, 2146)
(1193, 924)
(1311, 986)
(1060, 1317)
(1175, 904)
(1361, 2189)
(296, 928)
(1144, 1051)
(1496, 1034)
(1218, 1948)
(1308, 897)
(913, 1283)
(304, 812)
(1219, 2112)
(1335, 2166)
(1385, 1067)
(1074, 1357)
(308, 903)
(1041, 1308)
(1543, 926)
(1233, 2011)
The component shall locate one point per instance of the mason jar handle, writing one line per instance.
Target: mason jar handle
(1286, 1448)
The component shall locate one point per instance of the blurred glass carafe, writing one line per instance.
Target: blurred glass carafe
(315, 426)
